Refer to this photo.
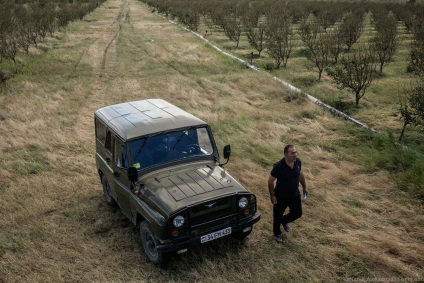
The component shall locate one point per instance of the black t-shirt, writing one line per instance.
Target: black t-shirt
(287, 179)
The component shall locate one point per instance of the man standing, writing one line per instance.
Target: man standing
(288, 173)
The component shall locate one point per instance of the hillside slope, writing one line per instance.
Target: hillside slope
(56, 227)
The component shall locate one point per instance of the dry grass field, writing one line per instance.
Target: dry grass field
(56, 227)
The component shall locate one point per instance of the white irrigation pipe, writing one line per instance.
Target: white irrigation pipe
(286, 84)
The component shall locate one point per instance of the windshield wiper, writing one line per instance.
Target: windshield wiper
(181, 136)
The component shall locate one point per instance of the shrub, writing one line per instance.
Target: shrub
(347, 107)
(269, 66)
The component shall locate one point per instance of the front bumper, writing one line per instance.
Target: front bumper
(180, 245)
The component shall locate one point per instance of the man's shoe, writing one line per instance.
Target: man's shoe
(278, 238)
(286, 227)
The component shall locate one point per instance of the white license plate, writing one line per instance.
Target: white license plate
(215, 235)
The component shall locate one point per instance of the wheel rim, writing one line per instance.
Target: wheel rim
(150, 245)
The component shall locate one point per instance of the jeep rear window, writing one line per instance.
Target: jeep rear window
(100, 131)
(168, 147)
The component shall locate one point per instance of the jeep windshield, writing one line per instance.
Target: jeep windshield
(168, 147)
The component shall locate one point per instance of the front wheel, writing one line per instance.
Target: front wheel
(150, 244)
(106, 192)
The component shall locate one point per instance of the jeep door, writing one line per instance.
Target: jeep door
(106, 160)
(121, 183)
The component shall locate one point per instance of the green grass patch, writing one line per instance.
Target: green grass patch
(406, 166)
(30, 161)
(50, 69)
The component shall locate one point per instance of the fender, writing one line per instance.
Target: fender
(147, 213)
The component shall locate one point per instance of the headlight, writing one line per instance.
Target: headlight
(243, 202)
(178, 221)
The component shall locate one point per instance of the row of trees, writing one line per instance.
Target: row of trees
(412, 107)
(27, 22)
(326, 31)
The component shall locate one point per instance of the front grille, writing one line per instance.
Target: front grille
(209, 214)
(214, 225)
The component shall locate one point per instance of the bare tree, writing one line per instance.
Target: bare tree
(318, 41)
(280, 35)
(351, 28)
(417, 48)
(252, 12)
(337, 43)
(412, 108)
(216, 11)
(386, 40)
(51, 20)
(255, 30)
(8, 36)
(64, 14)
(233, 24)
(354, 71)
(25, 27)
(417, 60)
(256, 37)
(328, 14)
(187, 12)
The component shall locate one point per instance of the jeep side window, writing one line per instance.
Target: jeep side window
(120, 155)
(108, 141)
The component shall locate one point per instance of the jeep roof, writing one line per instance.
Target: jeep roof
(144, 117)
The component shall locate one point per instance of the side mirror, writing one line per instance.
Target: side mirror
(227, 153)
(132, 174)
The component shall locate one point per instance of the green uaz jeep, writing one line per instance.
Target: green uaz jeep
(161, 166)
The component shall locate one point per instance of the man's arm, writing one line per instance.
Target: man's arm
(303, 182)
(271, 189)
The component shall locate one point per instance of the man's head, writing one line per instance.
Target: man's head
(290, 153)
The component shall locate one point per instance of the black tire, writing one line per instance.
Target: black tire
(149, 242)
(106, 192)
(241, 236)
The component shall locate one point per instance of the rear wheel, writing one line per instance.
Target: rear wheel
(150, 244)
(106, 192)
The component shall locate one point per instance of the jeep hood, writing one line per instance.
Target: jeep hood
(173, 190)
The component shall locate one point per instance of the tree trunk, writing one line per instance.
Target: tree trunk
(357, 97)
(403, 131)
(278, 64)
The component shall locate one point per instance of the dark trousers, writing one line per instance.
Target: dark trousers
(295, 206)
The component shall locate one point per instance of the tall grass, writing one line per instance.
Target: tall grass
(56, 227)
